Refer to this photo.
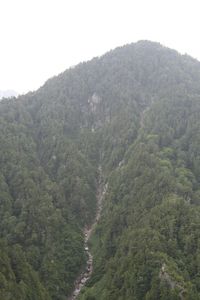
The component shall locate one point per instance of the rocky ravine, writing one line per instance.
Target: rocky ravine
(86, 274)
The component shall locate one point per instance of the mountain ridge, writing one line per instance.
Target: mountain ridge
(134, 111)
(8, 93)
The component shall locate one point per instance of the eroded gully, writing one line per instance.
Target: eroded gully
(86, 274)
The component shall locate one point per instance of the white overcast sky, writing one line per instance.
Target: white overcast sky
(41, 38)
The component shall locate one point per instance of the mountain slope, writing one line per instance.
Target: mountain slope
(134, 111)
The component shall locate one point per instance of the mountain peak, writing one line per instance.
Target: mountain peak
(106, 151)
(8, 93)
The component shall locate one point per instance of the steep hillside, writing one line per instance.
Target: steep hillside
(135, 112)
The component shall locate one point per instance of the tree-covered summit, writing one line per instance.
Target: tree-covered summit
(135, 111)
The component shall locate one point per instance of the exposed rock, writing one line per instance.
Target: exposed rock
(93, 102)
(84, 277)
(164, 276)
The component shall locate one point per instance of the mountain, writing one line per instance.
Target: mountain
(133, 114)
(8, 94)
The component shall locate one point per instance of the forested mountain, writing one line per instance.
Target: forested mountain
(8, 94)
(136, 113)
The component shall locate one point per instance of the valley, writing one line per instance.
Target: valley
(86, 274)
(100, 181)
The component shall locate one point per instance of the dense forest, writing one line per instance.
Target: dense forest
(135, 112)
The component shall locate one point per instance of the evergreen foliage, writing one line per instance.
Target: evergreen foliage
(136, 112)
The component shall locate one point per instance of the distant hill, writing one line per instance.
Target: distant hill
(133, 113)
(8, 94)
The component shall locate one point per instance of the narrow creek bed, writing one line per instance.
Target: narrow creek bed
(86, 274)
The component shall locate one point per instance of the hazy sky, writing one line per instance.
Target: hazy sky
(41, 38)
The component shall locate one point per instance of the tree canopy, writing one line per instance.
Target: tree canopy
(136, 112)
